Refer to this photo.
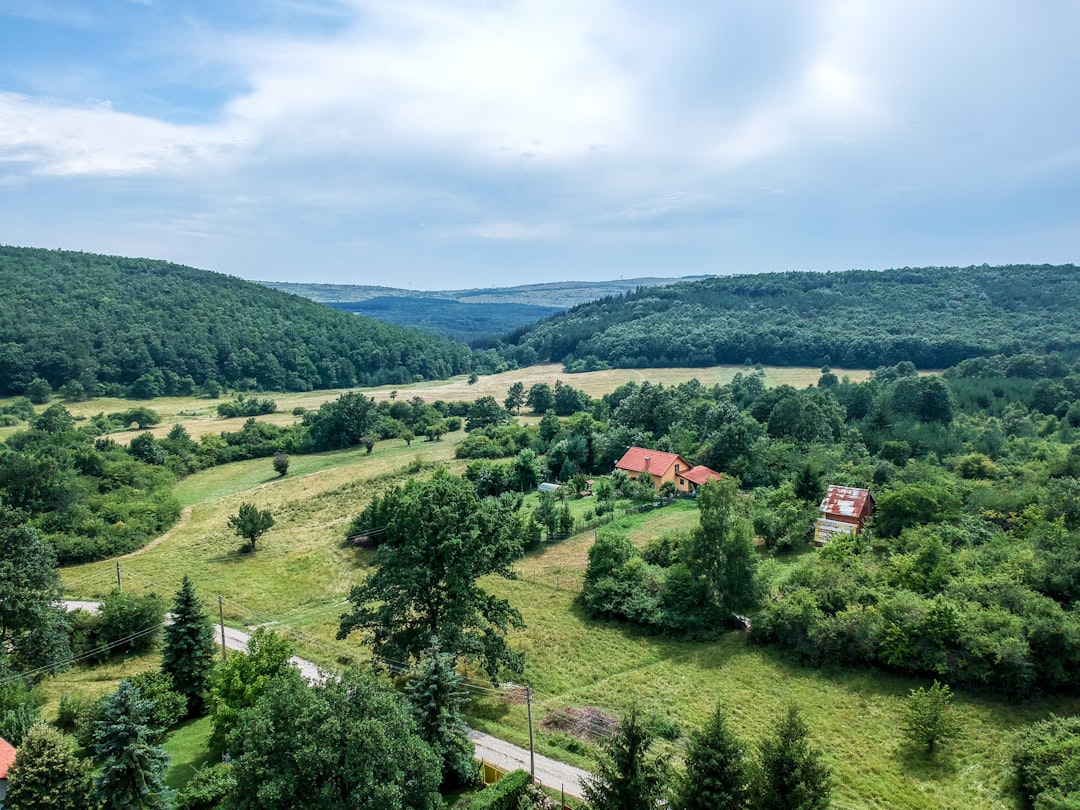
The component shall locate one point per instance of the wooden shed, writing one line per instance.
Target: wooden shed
(844, 510)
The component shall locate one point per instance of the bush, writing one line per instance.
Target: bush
(246, 406)
(207, 788)
(71, 706)
(131, 623)
(506, 795)
(1046, 760)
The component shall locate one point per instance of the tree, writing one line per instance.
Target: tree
(515, 397)
(717, 771)
(38, 391)
(343, 743)
(237, 683)
(930, 720)
(342, 422)
(33, 626)
(251, 523)
(440, 538)
(131, 623)
(626, 777)
(281, 464)
(133, 769)
(485, 412)
(550, 426)
(541, 398)
(722, 548)
(188, 655)
(438, 702)
(47, 775)
(792, 775)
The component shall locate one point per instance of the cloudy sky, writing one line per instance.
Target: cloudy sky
(461, 143)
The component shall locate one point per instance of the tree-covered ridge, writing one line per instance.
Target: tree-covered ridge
(934, 317)
(144, 327)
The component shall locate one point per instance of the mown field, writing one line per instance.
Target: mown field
(298, 580)
(299, 577)
(199, 414)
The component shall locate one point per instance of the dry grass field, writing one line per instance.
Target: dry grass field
(199, 414)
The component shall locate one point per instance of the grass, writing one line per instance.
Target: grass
(186, 746)
(199, 414)
(300, 576)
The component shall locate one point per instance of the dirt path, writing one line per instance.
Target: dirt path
(185, 516)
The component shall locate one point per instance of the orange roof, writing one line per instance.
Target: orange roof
(700, 474)
(641, 459)
(846, 501)
(7, 757)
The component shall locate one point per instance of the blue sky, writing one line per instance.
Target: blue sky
(462, 143)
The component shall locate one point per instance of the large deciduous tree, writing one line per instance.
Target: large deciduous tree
(33, 628)
(439, 540)
(722, 548)
(343, 743)
(341, 423)
(188, 655)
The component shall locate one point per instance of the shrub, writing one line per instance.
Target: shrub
(207, 788)
(506, 795)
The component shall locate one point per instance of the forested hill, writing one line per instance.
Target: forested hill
(935, 317)
(143, 327)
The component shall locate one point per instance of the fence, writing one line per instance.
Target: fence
(492, 774)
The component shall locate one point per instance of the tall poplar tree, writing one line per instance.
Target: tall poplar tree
(189, 648)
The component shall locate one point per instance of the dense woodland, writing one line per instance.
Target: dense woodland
(105, 325)
(933, 317)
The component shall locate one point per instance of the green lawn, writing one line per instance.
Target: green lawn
(299, 577)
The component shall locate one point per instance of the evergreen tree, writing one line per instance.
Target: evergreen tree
(627, 778)
(717, 774)
(438, 701)
(47, 775)
(189, 648)
(792, 775)
(133, 771)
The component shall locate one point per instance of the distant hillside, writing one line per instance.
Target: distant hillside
(143, 327)
(477, 316)
(934, 317)
(452, 319)
(556, 294)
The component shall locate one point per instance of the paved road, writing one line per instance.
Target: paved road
(550, 772)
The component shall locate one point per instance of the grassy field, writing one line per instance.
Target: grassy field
(301, 573)
(199, 414)
(298, 579)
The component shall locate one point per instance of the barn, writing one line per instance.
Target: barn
(843, 510)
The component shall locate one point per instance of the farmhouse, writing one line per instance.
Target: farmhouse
(7, 759)
(844, 510)
(662, 467)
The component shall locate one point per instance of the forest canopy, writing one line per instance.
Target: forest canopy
(934, 317)
(144, 328)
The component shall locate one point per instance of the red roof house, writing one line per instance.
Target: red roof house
(7, 759)
(663, 467)
(843, 510)
(696, 476)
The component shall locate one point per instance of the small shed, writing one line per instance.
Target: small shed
(7, 759)
(549, 487)
(844, 510)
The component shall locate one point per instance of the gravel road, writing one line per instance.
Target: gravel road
(549, 772)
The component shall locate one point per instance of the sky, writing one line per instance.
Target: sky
(447, 144)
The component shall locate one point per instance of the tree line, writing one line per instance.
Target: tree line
(934, 317)
(98, 325)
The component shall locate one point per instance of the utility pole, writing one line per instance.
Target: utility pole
(532, 757)
(118, 575)
(221, 618)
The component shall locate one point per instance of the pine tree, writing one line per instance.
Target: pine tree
(717, 774)
(47, 775)
(792, 775)
(438, 701)
(189, 648)
(627, 778)
(133, 771)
